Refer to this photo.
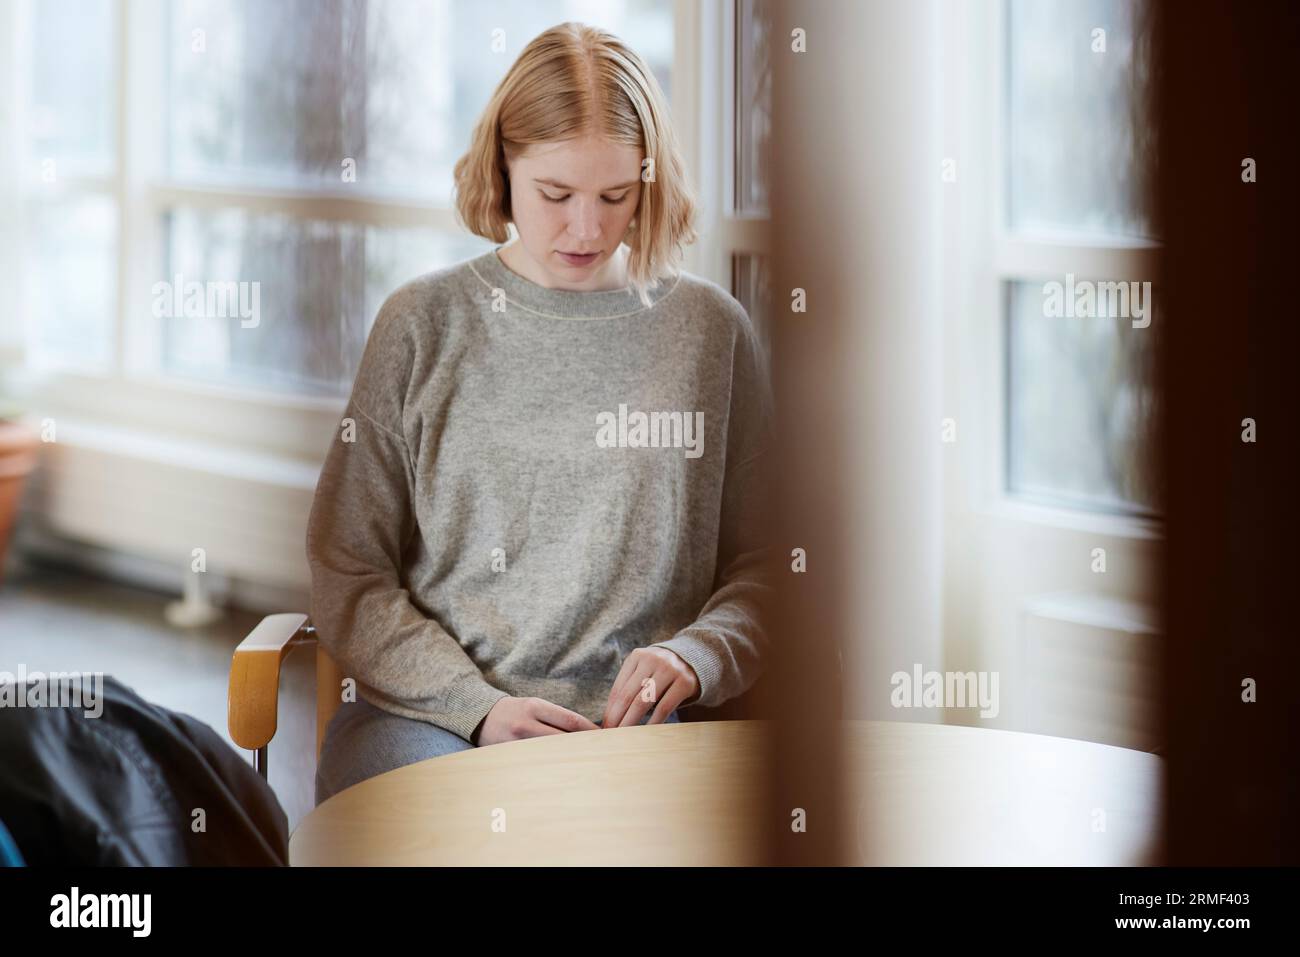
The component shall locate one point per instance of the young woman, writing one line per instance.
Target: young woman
(542, 512)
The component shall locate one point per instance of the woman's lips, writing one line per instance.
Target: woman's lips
(573, 260)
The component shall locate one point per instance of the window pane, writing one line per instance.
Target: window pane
(1081, 148)
(71, 283)
(1081, 403)
(753, 104)
(277, 303)
(749, 285)
(284, 91)
(70, 88)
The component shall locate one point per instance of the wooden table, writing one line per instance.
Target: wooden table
(687, 794)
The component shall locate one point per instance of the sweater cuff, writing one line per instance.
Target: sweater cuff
(468, 704)
(697, 653)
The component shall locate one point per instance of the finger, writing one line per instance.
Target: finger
(669, 699)
(548, 712)
(673, 697)
(648, 685)
(624, 697)
(537, 729)
(624, 673)
(630, 681)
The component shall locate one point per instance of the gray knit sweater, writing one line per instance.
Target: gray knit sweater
(529, 483)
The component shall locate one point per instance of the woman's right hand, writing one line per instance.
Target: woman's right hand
(513, 718)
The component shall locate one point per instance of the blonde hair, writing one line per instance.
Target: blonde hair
(569, 82)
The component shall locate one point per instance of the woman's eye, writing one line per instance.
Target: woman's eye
(560, 199)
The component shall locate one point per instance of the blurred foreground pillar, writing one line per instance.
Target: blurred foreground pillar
(855, 179)
(1227, 116)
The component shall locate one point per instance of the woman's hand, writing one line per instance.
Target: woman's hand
(513, 718)
(649, 675)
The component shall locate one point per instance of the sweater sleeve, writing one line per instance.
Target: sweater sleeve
(361, 523)
(727, 645)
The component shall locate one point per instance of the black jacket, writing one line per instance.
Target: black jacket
(124, 788)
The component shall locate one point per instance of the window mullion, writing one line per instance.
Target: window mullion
(308, 204)
(143, 84)
(1030, 259)
(13, 59)
(122, 184)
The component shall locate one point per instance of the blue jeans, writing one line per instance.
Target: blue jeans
(363, 741)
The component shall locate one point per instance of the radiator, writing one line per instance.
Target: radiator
(1092, 669)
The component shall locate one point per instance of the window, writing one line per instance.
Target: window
(1082, 312)
(749, 198)
(749, 282)
(68, 153)
(299, 148)
(753, 104)
(1081, 406)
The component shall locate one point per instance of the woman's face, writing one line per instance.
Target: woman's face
(577, 196)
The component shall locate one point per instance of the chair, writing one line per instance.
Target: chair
(253, 700)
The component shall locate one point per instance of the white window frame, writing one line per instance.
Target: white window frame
(1003, 556)
(999, 256)
(725, 230)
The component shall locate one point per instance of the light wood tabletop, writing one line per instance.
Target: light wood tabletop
(690, 794)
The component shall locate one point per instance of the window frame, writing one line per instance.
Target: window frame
(726, 232)
(1013, 256)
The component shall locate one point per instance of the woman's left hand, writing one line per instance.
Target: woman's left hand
(649, 675)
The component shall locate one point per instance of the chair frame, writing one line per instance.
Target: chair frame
(253, 700)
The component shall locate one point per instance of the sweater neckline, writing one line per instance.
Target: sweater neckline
(563, 303)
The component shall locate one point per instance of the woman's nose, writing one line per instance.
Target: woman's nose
(586, 222)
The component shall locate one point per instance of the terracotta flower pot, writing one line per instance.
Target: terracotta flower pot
(18, 453)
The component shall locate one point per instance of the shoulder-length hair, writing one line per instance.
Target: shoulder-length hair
(569, 82)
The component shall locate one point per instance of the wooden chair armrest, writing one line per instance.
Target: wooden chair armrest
(255, 677)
